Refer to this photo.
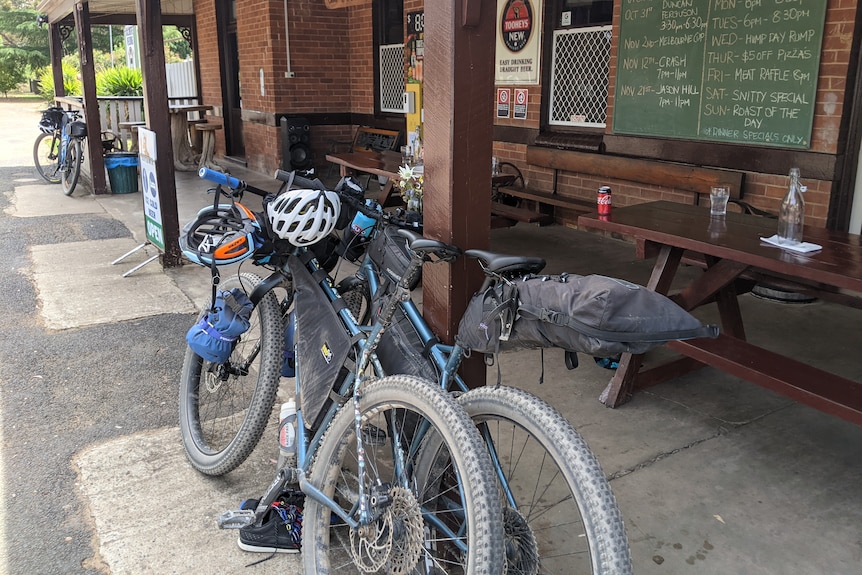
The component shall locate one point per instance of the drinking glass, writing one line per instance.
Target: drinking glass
(718, 196)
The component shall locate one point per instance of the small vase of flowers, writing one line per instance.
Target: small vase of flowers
(410, 180)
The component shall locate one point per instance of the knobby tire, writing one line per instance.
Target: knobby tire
(451, 456)
(223, 418)
(46, 157)
(72, 171)
(567, 520)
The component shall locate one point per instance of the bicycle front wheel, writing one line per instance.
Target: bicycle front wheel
(434, 506)
(46, 156)
(224, 408)
(559, 512)
(72, 170)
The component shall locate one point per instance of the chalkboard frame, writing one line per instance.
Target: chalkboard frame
(662, 59)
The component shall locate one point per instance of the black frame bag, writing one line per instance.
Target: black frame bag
(389, 252)
(596, 315)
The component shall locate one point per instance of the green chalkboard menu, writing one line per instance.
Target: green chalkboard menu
(741, 71)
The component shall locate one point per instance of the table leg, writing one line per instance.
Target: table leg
(184, 158)
(619, 390)
(389, 196)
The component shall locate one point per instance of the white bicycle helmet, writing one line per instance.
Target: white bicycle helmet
(304, 217)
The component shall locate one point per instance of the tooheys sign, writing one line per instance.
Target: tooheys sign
(516, 24)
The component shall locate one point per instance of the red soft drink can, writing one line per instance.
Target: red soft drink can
(603, 201)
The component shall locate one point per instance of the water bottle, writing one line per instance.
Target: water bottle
(792, 212)
(287, 435)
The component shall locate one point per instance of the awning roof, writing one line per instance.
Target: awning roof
(59, 9)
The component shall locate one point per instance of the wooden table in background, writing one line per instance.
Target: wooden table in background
(385, 163)
(734, 260)
(184, 157)
(131, 128)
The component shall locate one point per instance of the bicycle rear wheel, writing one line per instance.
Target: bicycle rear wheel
(46, 156)
(72, 170)
(418, 527)
(564, 518)
(224, 408)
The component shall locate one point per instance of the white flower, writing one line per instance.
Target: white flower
(410, 183)
(405, 173)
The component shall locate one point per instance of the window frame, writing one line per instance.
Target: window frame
(554, 26)
(384, 24)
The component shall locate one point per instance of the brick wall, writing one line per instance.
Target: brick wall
(764, 191)
(332, 61)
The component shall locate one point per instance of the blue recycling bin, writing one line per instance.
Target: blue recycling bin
(122, 172)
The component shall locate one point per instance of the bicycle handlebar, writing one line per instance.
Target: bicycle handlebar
(292, 179)
(221, 179)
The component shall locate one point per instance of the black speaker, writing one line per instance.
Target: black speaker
(295, 144)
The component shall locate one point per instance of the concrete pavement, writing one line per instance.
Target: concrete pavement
(713, 475)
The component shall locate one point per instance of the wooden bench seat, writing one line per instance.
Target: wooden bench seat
(520, 214)
(679, 176)
(801, 382)
(195, 137)
(551, 199)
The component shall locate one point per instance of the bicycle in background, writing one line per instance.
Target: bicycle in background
(59, 150)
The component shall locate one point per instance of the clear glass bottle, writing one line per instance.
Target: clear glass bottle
(791, 216)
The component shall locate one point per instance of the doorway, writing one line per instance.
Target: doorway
(231, 90)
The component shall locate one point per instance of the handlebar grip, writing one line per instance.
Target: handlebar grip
(229, 181)
(220, 178)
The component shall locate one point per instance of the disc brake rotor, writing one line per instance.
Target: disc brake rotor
(371, 545)
(213, 382)
(394, 541)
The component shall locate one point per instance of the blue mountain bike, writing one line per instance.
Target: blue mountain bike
(58, 151)
(394, 473)
(559, 514)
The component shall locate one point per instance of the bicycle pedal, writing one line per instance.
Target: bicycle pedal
(235, 519)
(373, 435)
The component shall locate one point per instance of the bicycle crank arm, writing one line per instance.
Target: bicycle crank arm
(284, 477)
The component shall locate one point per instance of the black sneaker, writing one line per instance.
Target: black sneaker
(281, 531)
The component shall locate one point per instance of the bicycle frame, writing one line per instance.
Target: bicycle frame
(447, 358)
(365, 340)
(65, 138)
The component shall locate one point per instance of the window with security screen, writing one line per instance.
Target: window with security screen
(391, 77)
(579, 76)
(389, 42)
(580, 55)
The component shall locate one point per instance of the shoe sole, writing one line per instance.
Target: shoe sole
(258, 549)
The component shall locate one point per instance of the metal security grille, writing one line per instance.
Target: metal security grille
(391, 77)
(579, 76)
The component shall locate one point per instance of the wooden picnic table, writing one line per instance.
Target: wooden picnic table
(185, 159)
(734, 259)
(384, 163)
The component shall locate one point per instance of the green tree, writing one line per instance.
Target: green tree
(10, 77)
(177, 48)
(22, 43)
